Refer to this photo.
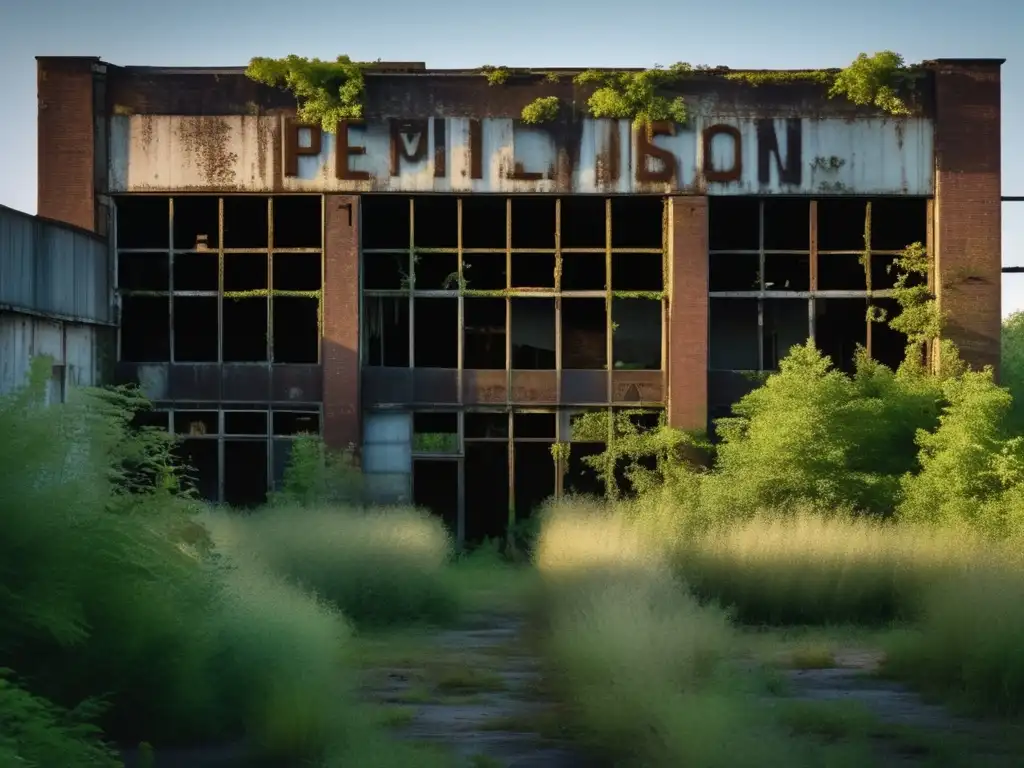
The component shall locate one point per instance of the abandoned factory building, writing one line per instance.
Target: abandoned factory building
(442, 286)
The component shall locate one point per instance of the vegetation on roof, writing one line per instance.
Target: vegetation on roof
(326, 91)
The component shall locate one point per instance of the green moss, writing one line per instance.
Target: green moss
(326, 91)
(495, 75)
(758, 78)
(552, 77)
(652, 295)
(435, 442)
(636, 95)
(542, 110)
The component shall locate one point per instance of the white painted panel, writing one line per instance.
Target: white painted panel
(875, 156)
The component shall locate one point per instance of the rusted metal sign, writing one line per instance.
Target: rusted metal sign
(714, 155)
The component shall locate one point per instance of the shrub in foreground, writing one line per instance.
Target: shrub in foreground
(379, 566)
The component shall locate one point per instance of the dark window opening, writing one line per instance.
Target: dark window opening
(783, 272)
(733, 335)
(487, 497)
(196, 223)
(245, 330)
(437, 333)
(386, 325)
(196, 423)
(245, 472)
(636, 334)
(145, 329)
(535, 478)
(584, 334)
(637, 272)
(282, 454)
(896, 222)
(296, 329)
(149, 418)
(734, 272)
(297, 272)
(533, 222)
(143, 222)
(202, 466)
(483, 222)
(436, 222)
(195, 329)
(296, 423)
(298, 221)
(840, 327)
(486, 424)
(143, 271)
(245, 422)
(436, 271)
(581, 479)
(435, 432)
(484, 271)
(884, 273)
(385, 221)
(385, 271)
(888, 346)
(583, 222)
(533, 270)
(245, 271)
(435, 487)
(787, 224)
(533, 334)
(786, 324)
(584, 272)
(484, 329)
(734, 224)
(636, 222)
(841, 272)
(534, 425)
(841, 224)
(245, 222)
(196, 272)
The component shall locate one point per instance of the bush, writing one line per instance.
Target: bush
(316, 475)
(380, 566)
(35, 733)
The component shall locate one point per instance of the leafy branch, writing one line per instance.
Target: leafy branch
(636, 95)
(326, 91)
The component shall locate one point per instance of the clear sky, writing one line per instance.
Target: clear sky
(458, 33)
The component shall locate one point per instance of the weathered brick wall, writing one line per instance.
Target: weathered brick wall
(688, 313)
(65, 140)
(340, 344)
(968, 254)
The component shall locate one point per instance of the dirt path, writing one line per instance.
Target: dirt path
(477, 696)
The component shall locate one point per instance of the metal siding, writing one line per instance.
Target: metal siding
(24, 337)
(50, 269)
(236, 153)
(387, 456)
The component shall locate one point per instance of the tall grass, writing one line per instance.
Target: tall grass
(815, 569)
(969, 644)
(378, 566)
(643, 668)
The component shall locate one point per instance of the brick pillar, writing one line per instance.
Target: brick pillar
(688, 313)
(968, 255)
(340, 343)
(66, 140)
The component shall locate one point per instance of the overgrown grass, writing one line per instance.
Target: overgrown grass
(644, 666)
(378, 566)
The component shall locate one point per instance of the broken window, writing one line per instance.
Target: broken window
(484, 271)
(245, 329)
(887, 346)
(533, 223)
(196, 272)
(436, 271)
(584, 334)
(484, 333)
(841, 223)
(195, 329)
(533, 270)
(734, 224)
(386, 328)
(435, 487)
(637, 222)
(584, 272)
(196, 223)
(246, 223)
(298, 272)
(298, 221)
(787, 272)
(435, 432)
(637, 272)
(840, 327)
(583, 223)
(733, 331)
(245, 472)
(145, 329)
(786, 324)
(734, 272)
(143, 222)
(292, 423)
(636, 334)
(245, 422)
(245, 272)
(435, 222)
(787, 224)
(386, 222)
(296, 321)
(533, 334)
(143, 272)
(436, 327)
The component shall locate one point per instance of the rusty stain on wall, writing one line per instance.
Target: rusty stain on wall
(206, 139)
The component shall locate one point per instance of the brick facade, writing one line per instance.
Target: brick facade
(687, 364)
(968, 254)
(340, 342)
(66, 144)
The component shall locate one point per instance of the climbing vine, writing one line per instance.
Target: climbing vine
(919, 318)
(636, 95)
(542, 110)
(326, 91)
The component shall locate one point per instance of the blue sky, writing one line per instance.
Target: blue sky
(457, 33)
